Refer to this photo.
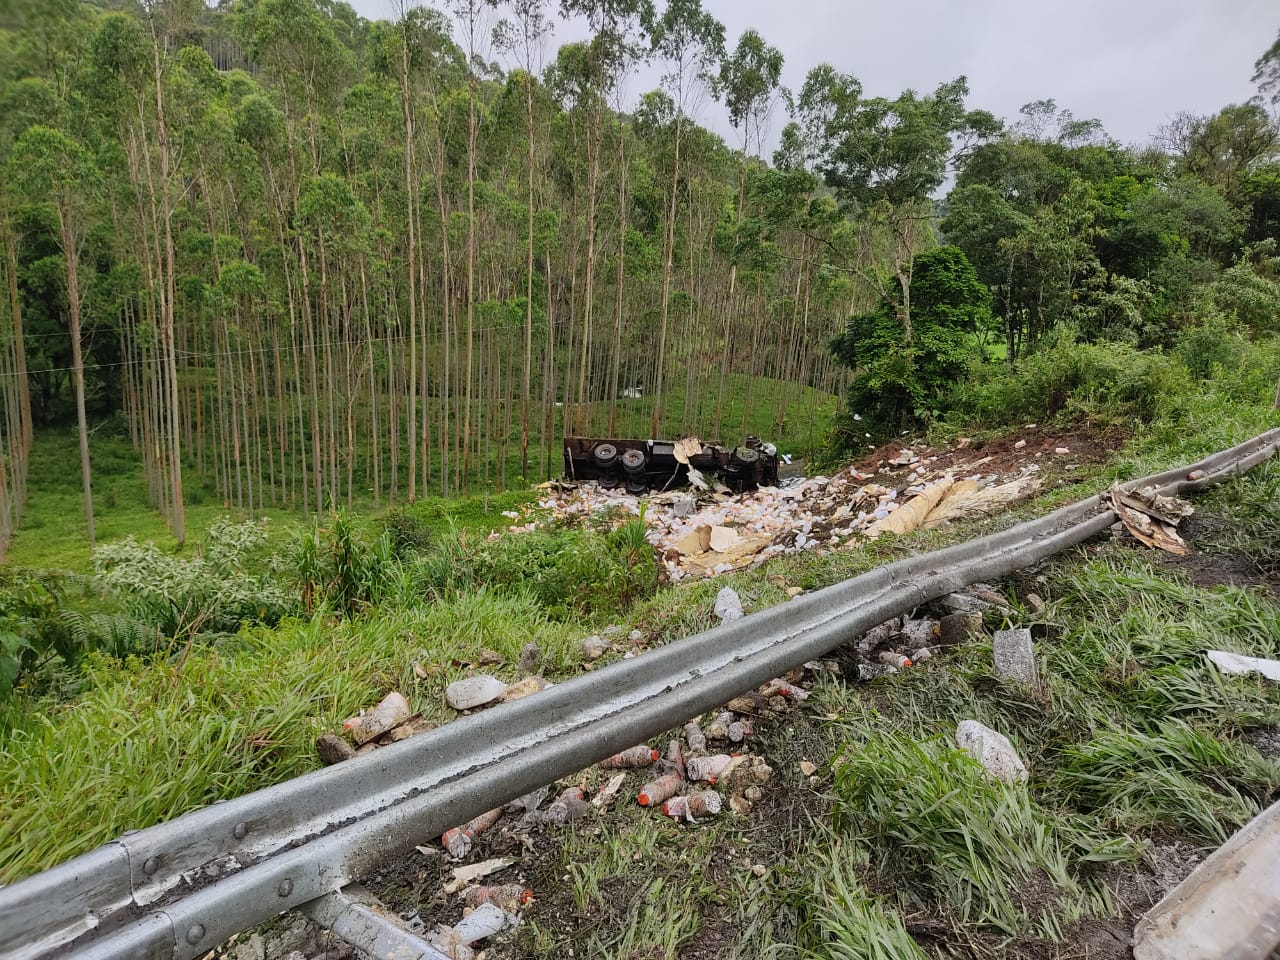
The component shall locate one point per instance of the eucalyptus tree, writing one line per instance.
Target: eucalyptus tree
(618, 27)
(748, 82)
(524, 38)
(47, 163)
(884, 159)
(690, 43)
(22, 103)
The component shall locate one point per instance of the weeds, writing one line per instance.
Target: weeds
(845, 922)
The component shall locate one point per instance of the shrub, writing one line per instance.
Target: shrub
(233, 581)
(1107, 381)
(568, 572)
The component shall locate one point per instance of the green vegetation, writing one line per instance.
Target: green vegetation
(281, 284)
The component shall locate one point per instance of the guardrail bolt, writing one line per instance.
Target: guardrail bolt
(241, 829)
(151, 865)
(195, 934)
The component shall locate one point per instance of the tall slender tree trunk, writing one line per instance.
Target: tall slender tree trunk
(410, 192)
(71, 250)
(526, 373)
(668, 263)
(177, 516)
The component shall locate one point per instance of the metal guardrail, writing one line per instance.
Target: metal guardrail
(176, 890)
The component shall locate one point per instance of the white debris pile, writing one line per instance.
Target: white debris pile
(707, 533)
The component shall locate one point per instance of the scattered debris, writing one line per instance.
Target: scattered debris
(610, 790)
(965, 603)
(808, 768)
(1151, 518)
(895, 659)
(1014, 656)
(728, 605)
(956, 628)
(570, 805)
(1238, 663)
(694, 736)
(471, 872)
(991, 749)
(368, 725)
(707, 769)
(705, 532)
(472, 692)
(594, 647)
(691, 806)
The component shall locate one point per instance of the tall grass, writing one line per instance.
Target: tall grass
(149, 741)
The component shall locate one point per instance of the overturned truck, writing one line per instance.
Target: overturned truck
(644, 465)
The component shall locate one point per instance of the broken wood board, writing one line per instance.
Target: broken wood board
(1152, 519)
(1228, 907)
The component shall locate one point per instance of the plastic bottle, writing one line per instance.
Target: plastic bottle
(694, 736)
(656, 791)
(892, 659)
(509, 897)
(458, 840)
(641, 756)
(707, 768)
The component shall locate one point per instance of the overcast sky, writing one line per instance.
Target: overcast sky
(1133, 64)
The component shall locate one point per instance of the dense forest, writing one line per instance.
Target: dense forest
(316, 259)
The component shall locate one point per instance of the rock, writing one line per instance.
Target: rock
(333, 749)
(1020, 445)
(1061, 451)
(759, 870)
(794, 591)
(1035, 602)
(635, 636)
(807, 768)
(613, 630)
(251, 949)
(991, 749)
(530, 657)
(474, 692)
(593, 648)
(728, 605)
(956, 628)
(390, 712)
(525, 687)
(1015, 655)
(684, 507)
(965, 603)
(921, 655)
